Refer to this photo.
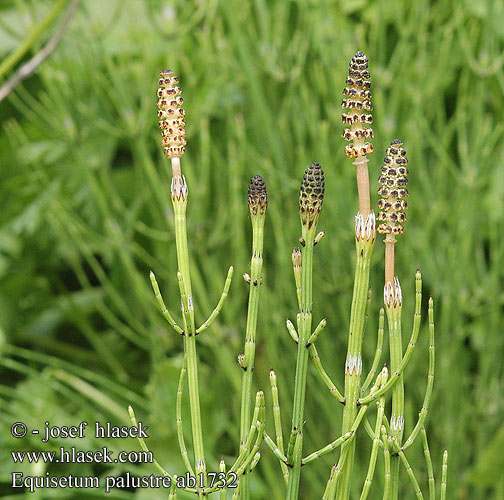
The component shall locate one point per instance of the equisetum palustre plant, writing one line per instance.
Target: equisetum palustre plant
(358, 395)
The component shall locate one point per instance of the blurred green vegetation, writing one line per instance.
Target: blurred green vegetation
(85, 214)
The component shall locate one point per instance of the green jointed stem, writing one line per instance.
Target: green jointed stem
(331, 488)
(336, 475)
(397, 418)
(365, 238)
(310, 204)
(304, 330)
(257, 199)
(236, 493)
(394, 309)
(173, 489)
(179, 199)
(358, 101)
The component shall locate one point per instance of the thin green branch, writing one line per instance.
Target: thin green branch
(248, 454)
(290, 446)
(180, 429)
(275, 449)
(386, 459)
(376, 441)
(343, 438)
(317, 362)
(162, 305)
(368, 307)
(146, 449)
(259, 406)
(397, 373)
(314, 336)
(278, 422)
(222, 469)
(444, 475)
(409, 350)
(328, 448)
(378, 353)
(336, 474)
(255, 461)
(430, 470)
(430, 382)
(222, 299)
(411, 474)
(292, 330)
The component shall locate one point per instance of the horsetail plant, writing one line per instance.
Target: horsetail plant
(172, 124)
(392, 206)
(357, 103)
(311, 198)
(257, 202)
(386, 435)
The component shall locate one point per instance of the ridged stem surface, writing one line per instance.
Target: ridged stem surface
(250, 338)
(304, 330)
(353, 367)
(179, 208)
(397, 419)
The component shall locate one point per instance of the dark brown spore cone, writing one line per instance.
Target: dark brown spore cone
(311, 195)
(257, 195)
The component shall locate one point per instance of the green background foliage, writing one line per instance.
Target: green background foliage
(85, 214)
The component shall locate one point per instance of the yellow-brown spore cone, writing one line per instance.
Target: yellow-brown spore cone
(357, 105)
(171, 115)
